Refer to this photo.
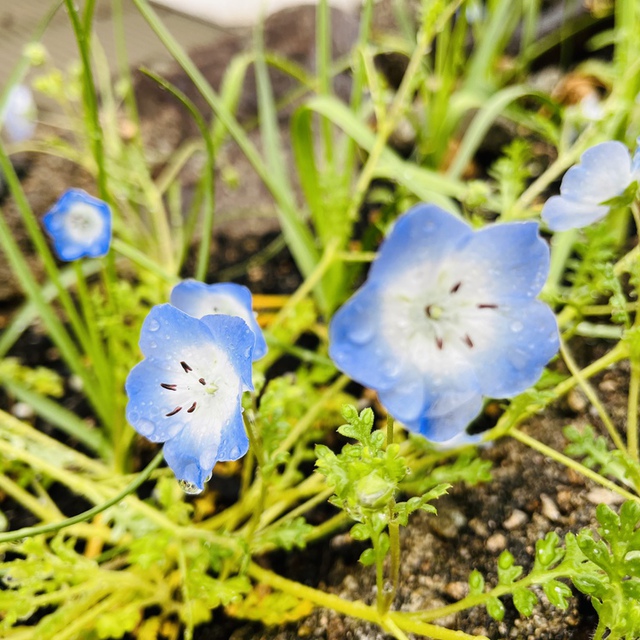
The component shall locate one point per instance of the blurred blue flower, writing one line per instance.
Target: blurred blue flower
(18, 118)
(199, 299)
(186, 392)
(605, 171)
(79, 225)
(447, 315)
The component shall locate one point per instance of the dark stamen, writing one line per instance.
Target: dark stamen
(468, 341)
(171, 387)
(192, 408)
(173, 413)
(439, 343)
(185, 366)
(202, 381)
(455, 287)
(427, 310)
(487, 306)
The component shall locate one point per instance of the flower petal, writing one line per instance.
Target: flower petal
(603, 173)
(425, 232)
(525, 339)
(199, 299)
(562, 214)
(447, 417)
(505, 261)
(193, 453)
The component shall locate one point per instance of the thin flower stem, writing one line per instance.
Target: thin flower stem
(571, 464)
(86, 515)
(633, 407)
(589, 391)
(394, 569)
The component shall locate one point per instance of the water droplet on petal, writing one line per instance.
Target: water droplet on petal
(145, 427)
(153, 344)
(189, 487)
(517, 326)
(518, 358)
(234, 454)
(153, 325)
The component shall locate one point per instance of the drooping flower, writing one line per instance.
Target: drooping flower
(199, 299)
(18, 118)
(447, 315)
(186, 392)
(605, 171)
(79, 225)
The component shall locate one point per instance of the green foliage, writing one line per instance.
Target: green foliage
(595, 453)
(611, 573)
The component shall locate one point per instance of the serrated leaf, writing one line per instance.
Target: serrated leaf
(524, 601)
(557, 593)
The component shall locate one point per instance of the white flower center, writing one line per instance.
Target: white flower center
(84, 223)
(437, 316)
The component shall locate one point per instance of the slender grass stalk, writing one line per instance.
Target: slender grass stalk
(592, 396)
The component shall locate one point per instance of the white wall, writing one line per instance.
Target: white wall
(240, 12)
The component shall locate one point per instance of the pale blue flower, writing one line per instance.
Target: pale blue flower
(447, 315)
(18, 118)
(199, 299)
(79, 225)
(605, 171)
(186, 392)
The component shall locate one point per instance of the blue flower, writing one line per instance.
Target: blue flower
(605, 171)
(186, 392)
(79, 225)
(199, 299)
(18, 119)
(447, 315)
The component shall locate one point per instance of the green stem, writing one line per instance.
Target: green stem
(592, 396)
(355, 609)
(571, 464)
(633, 408)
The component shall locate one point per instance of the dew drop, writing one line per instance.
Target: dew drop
(234, 454)
(517, 326)
(153, 325)
(189, 487)
(144, 427)
(153, 345)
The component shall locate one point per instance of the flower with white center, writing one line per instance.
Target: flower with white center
(19, 115)
(605, 172)
(447, 315)
(79, 225)
(199, 299)
(186, 392)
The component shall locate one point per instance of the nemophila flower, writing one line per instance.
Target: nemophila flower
(18, 118)
(186, 392)
(447, 315)
(79, 225)
(199, 299)
(605, 171)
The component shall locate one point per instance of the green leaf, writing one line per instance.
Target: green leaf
(495, 608)
(476, 583)
(524, 600)
(558, 593)
(368, 557)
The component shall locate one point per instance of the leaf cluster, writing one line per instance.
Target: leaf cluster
(610, 575)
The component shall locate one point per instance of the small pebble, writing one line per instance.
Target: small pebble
(576, 400)
(457, 590)
(22, 411)
(600, 495)
(515, 520)
(549, 508)
(479, 527)
(608, 385)
(496, 542)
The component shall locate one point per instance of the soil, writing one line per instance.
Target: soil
(528, 497)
